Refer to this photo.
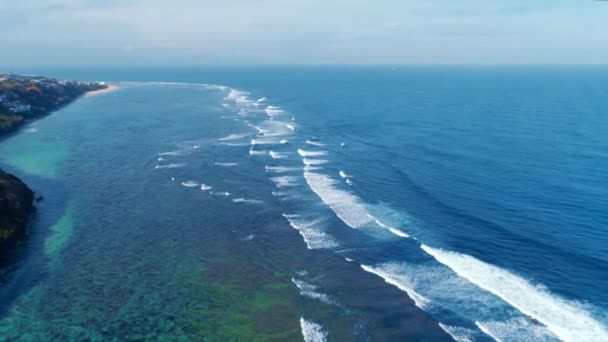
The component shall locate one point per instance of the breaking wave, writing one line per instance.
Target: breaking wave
(313, 235)
(312, 332)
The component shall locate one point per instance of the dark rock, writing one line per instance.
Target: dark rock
(15, 208)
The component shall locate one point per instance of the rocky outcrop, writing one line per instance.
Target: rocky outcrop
(16, 206)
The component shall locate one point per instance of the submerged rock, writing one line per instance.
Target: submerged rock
(16, 205)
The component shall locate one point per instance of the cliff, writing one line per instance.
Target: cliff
(23, 98)
(15, 208)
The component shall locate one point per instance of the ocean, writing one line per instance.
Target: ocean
(317, 203)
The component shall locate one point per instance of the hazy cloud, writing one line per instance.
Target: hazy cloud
(194, 32)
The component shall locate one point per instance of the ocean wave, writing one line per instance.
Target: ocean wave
(568, 320)
(346, 206)
(395, 231)
(394, 278)
(304, 153)
(308, 168)
(310, 291)
(459, 334)
(278, 155)
(257, 153)
(246, 201)
(205, 187)
(315, 143)
(190, 184)
(313, 235)
(274, 111)
(171, 153)
(284, 181)
(312, 332)
(311, 162)
(222, 193)
(170, 166)
(517, 329)
(232, 137)
(280, 169)
(239, 97)
(226, 164)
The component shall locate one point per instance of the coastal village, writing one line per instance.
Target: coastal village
(24, 98)
(27, 97)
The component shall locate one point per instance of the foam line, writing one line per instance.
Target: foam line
(304, 153)
(313, 235)
(566, 319)
(345, 205)
(190, 184)
(310, 291)
(400, 283)
(459, 334)
(312, 332)
(170, 166)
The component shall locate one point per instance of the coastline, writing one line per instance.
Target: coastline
(24, 99)
(110, 88)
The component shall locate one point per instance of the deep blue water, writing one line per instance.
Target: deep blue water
(479, 192)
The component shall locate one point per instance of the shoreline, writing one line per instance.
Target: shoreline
(108, 89)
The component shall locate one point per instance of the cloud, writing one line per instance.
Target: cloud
(68, 32)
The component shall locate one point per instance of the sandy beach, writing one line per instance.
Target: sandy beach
(108, 89)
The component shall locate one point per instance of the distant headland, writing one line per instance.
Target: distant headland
(24, 98)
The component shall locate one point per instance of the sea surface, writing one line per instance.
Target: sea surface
(317, 203)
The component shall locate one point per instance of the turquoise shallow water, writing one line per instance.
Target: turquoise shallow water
(315, 202)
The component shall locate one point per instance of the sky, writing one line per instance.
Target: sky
(269, 32)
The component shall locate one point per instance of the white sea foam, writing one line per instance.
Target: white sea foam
(205, 187)
(278, 155)
(304, 153)
(343, 174)
(273, 128)
(171, 153)
(459, 334)
(190, 184)
(280, 169)
(349, 182)
(224, 194)
(570, 321)
(516, 329)
(284, 181)
(315, 143)
(310, 291)
(248, 237)
(291, 127)
(257, 153)
(274, 111)
(161, 159)
(226, 164)
(312, 332)
(239, 97)
(311, 232)
(308, 168)
(170, 166)
(391, 229)
(284, 142)
(311, 162)
(385, 272)
(246, 201)
(261, 100)
(347, 206)
(232, 137)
